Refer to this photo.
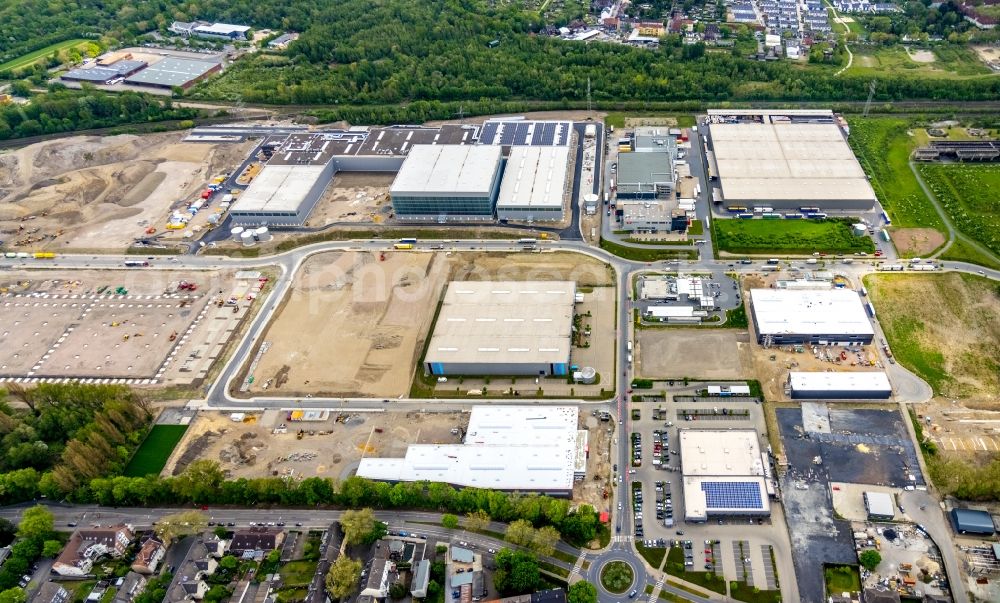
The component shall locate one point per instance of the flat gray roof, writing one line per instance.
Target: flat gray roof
(787, 161)
(172, 71)
(880, 503)
(447, 170)
(493, 322)
(534, 177)
(644, 168)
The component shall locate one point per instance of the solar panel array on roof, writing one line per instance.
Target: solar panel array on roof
(525, 133)
(732, 495)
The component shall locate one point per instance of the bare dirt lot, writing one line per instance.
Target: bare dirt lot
(91, 192)
(987, 54)
(916, 241)
(267, 444)
(694, 353)
(81, 325)
(368, 318)
(328, 448)
(354, 197)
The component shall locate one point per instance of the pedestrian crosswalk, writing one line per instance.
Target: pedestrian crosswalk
(578, 566)
(621, 538)
(656, 590)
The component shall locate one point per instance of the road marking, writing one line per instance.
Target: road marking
(578, 566)
(656, 590)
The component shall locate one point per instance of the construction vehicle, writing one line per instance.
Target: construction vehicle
(173, 336)
(186, 286)
(121, 291)
(381, 256)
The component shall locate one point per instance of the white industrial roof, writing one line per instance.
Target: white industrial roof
(718, 452)
(809, 312)
(787, 161)
(880, 503)
(670, 311)
(448, 170)
(278, 188)
(840, 381)
(504, 322)
(222, 29)
(534, 177)
(506, 448)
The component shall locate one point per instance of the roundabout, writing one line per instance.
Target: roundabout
(617, 576)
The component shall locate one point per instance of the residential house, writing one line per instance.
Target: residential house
(188, 583)
(380, 576)
(421, 579)
(252, 543)
(150, 555)
(50, 592)
(86, 546)
(131, 587)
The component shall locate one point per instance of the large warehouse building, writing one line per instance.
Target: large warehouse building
(534, 184)
(868, 385)
(834, 316)
(300, 168)
(645, 176)
(174, 72)
(523, 448)
(787, 160)
(503, 328)
(725, 474)
(442, 183)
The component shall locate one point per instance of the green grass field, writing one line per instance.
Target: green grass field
(33, 57)
(959, 251)
(842, 579)
(949, 62)
(298, 573)
(943, 328)
(154, 451)
(788, 236)
(646, 254)
(883, 147)
(970, 194)
(741, 592)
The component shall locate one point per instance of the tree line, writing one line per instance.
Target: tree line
(64, 110)
(66, 435)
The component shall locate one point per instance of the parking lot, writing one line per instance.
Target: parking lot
(655, 491)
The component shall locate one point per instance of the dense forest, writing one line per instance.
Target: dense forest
(383, 52)
(64, 436)
(63, 110)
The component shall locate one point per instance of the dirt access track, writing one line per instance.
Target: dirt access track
(355, 325)
(101, 193)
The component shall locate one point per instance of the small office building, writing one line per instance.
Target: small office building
(645, 176)
(879, 506)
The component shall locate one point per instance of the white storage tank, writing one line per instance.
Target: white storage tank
(262, 234)
(247, 238)
(860, 229)
(588, 375)
(236, 233)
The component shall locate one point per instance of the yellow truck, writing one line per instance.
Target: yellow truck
(44, 255)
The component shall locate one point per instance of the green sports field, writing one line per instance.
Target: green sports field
(33, 57)
(154, 451)
(799, 237)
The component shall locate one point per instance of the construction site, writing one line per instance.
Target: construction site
(371, 312)
(141, 328)
(771, 364)
(331, 443)
(361, 197)
(102, 193)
